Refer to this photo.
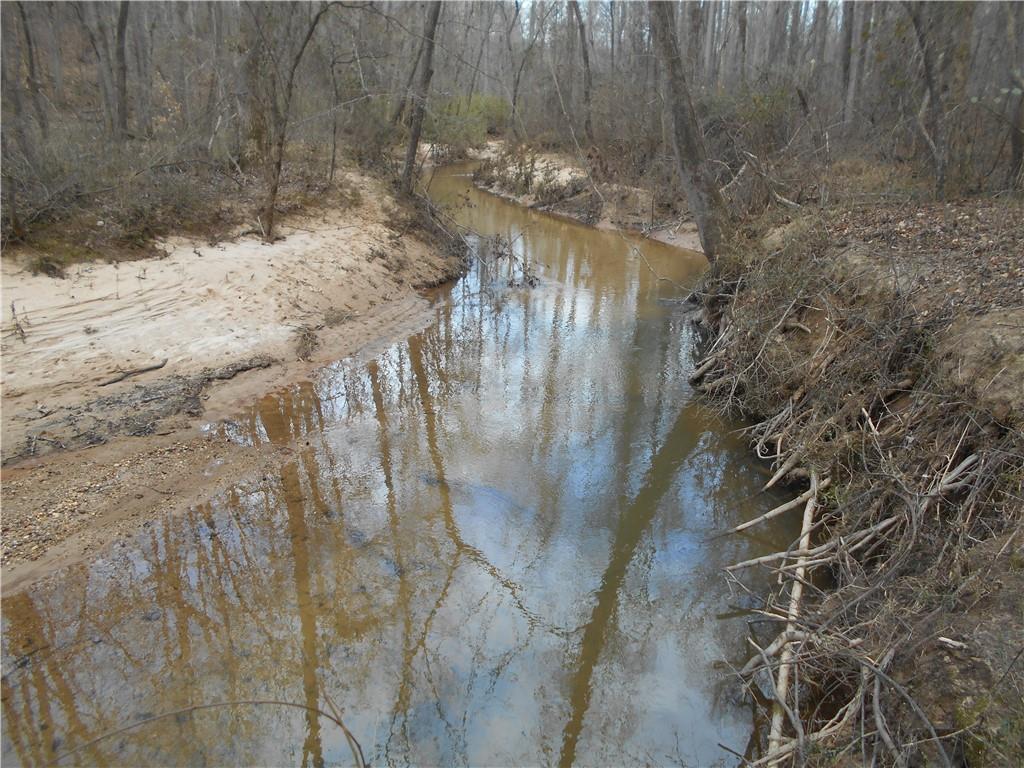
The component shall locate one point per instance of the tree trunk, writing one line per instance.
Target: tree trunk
(142, 45)
(742, 21)
(279, 113)
(122, 71)
(335, 87)
(611, 32)
(588, 127)
(820, 33)
(480, 53)
(104, 66)
(693, 35)
(777, 41)
(705, 200)
(795, 37)
(710, 45)
(10, 75)
(931, 124)
(1015, 173)
(846, 46)
(419, 107)
(33, 75)
(56, 56)
(400, 107)
(856, 55)
(273, 185)
(180, 83)
(14, 227)
(215, 92)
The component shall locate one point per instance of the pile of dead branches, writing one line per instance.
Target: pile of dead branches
(903, 476)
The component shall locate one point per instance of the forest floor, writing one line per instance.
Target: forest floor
(110, 371)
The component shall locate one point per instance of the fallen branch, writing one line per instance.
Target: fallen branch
(782, 471)
(782, 507)
(782, 684)
(134, 372)
(771, 650)
(913, 705)
(835, 725)
(703, 368)
(880, 726)
(779, 695)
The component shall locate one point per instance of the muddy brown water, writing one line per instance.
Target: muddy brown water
(491, 544)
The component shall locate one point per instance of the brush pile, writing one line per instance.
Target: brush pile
(895, 634)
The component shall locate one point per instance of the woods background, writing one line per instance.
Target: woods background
(151, 115)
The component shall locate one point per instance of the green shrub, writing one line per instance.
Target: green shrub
(466, 121)
(370, 136)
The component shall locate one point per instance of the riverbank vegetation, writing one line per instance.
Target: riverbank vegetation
(853, 172)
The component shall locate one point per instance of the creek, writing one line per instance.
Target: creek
(493, 543)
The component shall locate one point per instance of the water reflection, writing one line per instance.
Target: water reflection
(488, 545)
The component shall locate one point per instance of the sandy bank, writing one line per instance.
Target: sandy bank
(202, 306)
(225, 323)
(557, 183)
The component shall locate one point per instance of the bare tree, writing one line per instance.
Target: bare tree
(846, 44)
(702, 193)
(273, 66)
(122, 70)
(942, 32)
(517, 80)
(200, 84)
(56, 55)
(33, 75)
(142, 47)
(419, 107)
(91, 17)
(404, 98)
(1015, 172)
(741, 20)
(588, 127)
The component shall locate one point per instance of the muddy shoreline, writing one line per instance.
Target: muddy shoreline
(679, 234)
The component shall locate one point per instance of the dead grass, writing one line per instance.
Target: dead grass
(135, 207)
(335, 316)
(306, 342)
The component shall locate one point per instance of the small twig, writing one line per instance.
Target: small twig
(157, 490)
(883, 731)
